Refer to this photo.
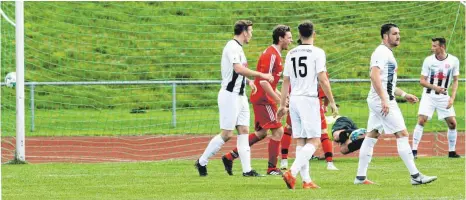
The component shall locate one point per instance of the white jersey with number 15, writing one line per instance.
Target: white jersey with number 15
(303, 64)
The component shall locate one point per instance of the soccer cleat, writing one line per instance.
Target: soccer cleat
(252, 173)
(202, 169)
(363, 182)
(331, 166)
(274, 172)
(310, 185)
(453, 154)
(284, 164)
(415, 154)
(289, 179)
(422, 179)
(228, 165)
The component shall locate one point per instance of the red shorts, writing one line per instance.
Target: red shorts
(323, 122)
(265, 116)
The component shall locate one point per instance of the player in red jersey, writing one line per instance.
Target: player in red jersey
(265, 101)
(327, 145)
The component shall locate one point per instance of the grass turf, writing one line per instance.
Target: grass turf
(179, 180)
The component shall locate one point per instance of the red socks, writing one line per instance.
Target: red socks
(327, 146)
(285, 142)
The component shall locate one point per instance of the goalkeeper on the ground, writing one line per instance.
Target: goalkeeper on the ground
(348, 135)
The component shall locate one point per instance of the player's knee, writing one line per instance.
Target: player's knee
(243, 129)
(226, 135)
(451, 122)
(261, 134)
(314, 141)
(452, 125)
(373, 134)
(277, 134)
(422, 120)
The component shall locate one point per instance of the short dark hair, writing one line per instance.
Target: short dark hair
(279, 31)
(306, 28)
(442, 41)
(386, 28)
(242, 25)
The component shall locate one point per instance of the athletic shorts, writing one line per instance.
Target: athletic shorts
(431, 102)
(323, 122)
(305, 117)
(233, 109)
(265, 116)
(390, 124)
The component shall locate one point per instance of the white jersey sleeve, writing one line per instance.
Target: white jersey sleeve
(234, 56)
(425, 67)
(287, 65)
(320, 62)
(378, 59)
(456, 69)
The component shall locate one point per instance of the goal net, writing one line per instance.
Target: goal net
(134, 81)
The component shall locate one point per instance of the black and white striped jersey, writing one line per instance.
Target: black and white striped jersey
(440, 72)
(384, 59)
(232, 81)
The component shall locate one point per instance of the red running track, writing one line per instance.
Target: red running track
(153, 148)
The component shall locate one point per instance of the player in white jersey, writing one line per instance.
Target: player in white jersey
(439, 71)
(232, 101)
(304, 70)
(384, 113)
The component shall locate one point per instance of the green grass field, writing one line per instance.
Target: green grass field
(179, 180)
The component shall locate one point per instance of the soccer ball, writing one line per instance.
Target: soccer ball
(10, 79)
(356, 133)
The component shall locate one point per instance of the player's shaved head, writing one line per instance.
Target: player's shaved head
(306, 28)
(241, 26)
(279, 31)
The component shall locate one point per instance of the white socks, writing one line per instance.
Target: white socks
(244, 152)
(417, 135)
(452, 139)
(406, 154)
(365, 155)
(304, 171)
(302, 157)
(214, 146)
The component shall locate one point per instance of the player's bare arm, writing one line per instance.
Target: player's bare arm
(279, 94)
(377, 84)
(252, 85)
(409, 97)
(424, 83)
(285, 89)
(325, 84)
(240, 69)
(454, 87)
(269, 91)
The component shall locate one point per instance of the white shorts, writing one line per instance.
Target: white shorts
(431, 102)
(305, 117)
(390, 124)
(234, 110)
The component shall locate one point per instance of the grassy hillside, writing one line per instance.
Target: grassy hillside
(117, 41)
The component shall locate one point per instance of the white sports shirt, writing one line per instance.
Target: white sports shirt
(440, 72)
(384, 59)
(303, 64)
(232, 81)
